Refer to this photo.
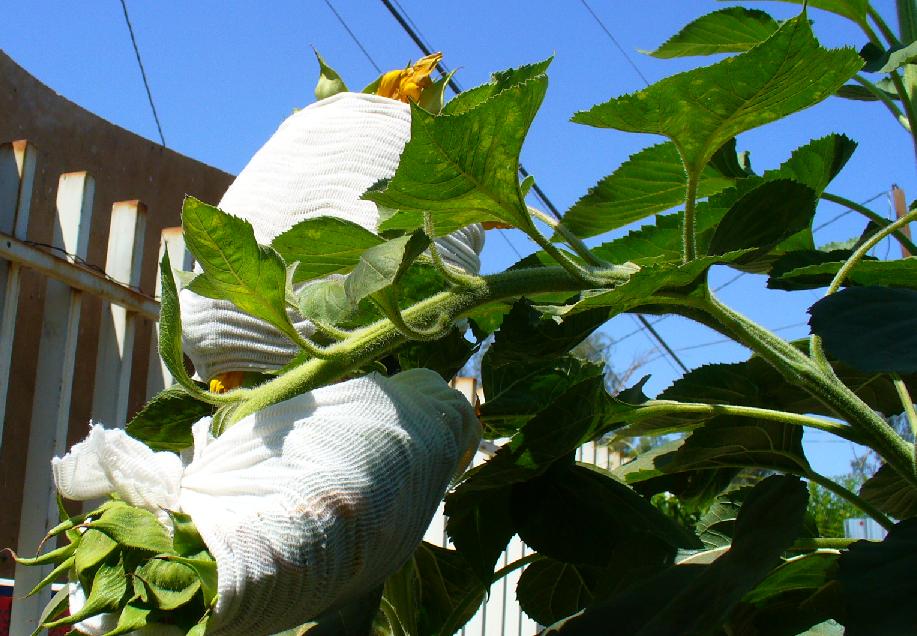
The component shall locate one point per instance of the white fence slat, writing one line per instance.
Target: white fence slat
(82, 277)
(117, 328)
(173, 240)
(17, 176)
(51, 401)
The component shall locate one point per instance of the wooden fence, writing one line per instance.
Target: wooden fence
(68, 279)
(83, 207)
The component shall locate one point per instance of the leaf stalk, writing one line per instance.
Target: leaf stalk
(578, 246)
(689, 240)
(655, 408)
(452, 275)
(907, 104)
(872, 216)
(861, 251)
(882, 97)
(907, 402)
(853, 498)
(883, 27)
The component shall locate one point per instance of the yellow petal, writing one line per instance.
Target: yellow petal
(406, 84)
(426, 65)
(223, 382)
(389, 84)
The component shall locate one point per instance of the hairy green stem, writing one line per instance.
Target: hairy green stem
(371, 342)
(688, 239)
(655, 408)
(581, 249)
(907, 402)
(861, 251)
(816, 351)
(853, 498)
(881, 221)
(798, 369)
(883, 97)
(314, 350)
(562, 259)
(329, 330)
(882, 26)
(870, 33)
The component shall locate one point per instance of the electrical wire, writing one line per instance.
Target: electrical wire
(146, 84)
(712, 343)
(615, 42)
(846, 212)
(353, 36)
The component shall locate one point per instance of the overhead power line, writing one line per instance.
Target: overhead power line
(646, 325)
(146, 84)
(353, 36)
(615, 42)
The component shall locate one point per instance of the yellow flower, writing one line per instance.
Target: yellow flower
(406, 85)
(223, 382)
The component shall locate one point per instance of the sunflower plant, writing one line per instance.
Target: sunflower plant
(748, 560)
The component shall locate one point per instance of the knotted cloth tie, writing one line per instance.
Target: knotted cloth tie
(304, 505)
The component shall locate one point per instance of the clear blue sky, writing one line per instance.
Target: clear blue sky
(224, 74)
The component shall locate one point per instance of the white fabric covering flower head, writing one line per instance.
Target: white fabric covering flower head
(318, 163)
(304, 505)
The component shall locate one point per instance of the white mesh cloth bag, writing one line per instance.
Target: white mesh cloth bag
(306, 504)
(318, 163)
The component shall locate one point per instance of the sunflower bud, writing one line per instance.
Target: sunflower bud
(406, 84)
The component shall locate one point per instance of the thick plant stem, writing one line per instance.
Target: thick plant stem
(688, 238)
(872, 216)
(853, 498)
(373, 341)
(655, 408)
(798, 369)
